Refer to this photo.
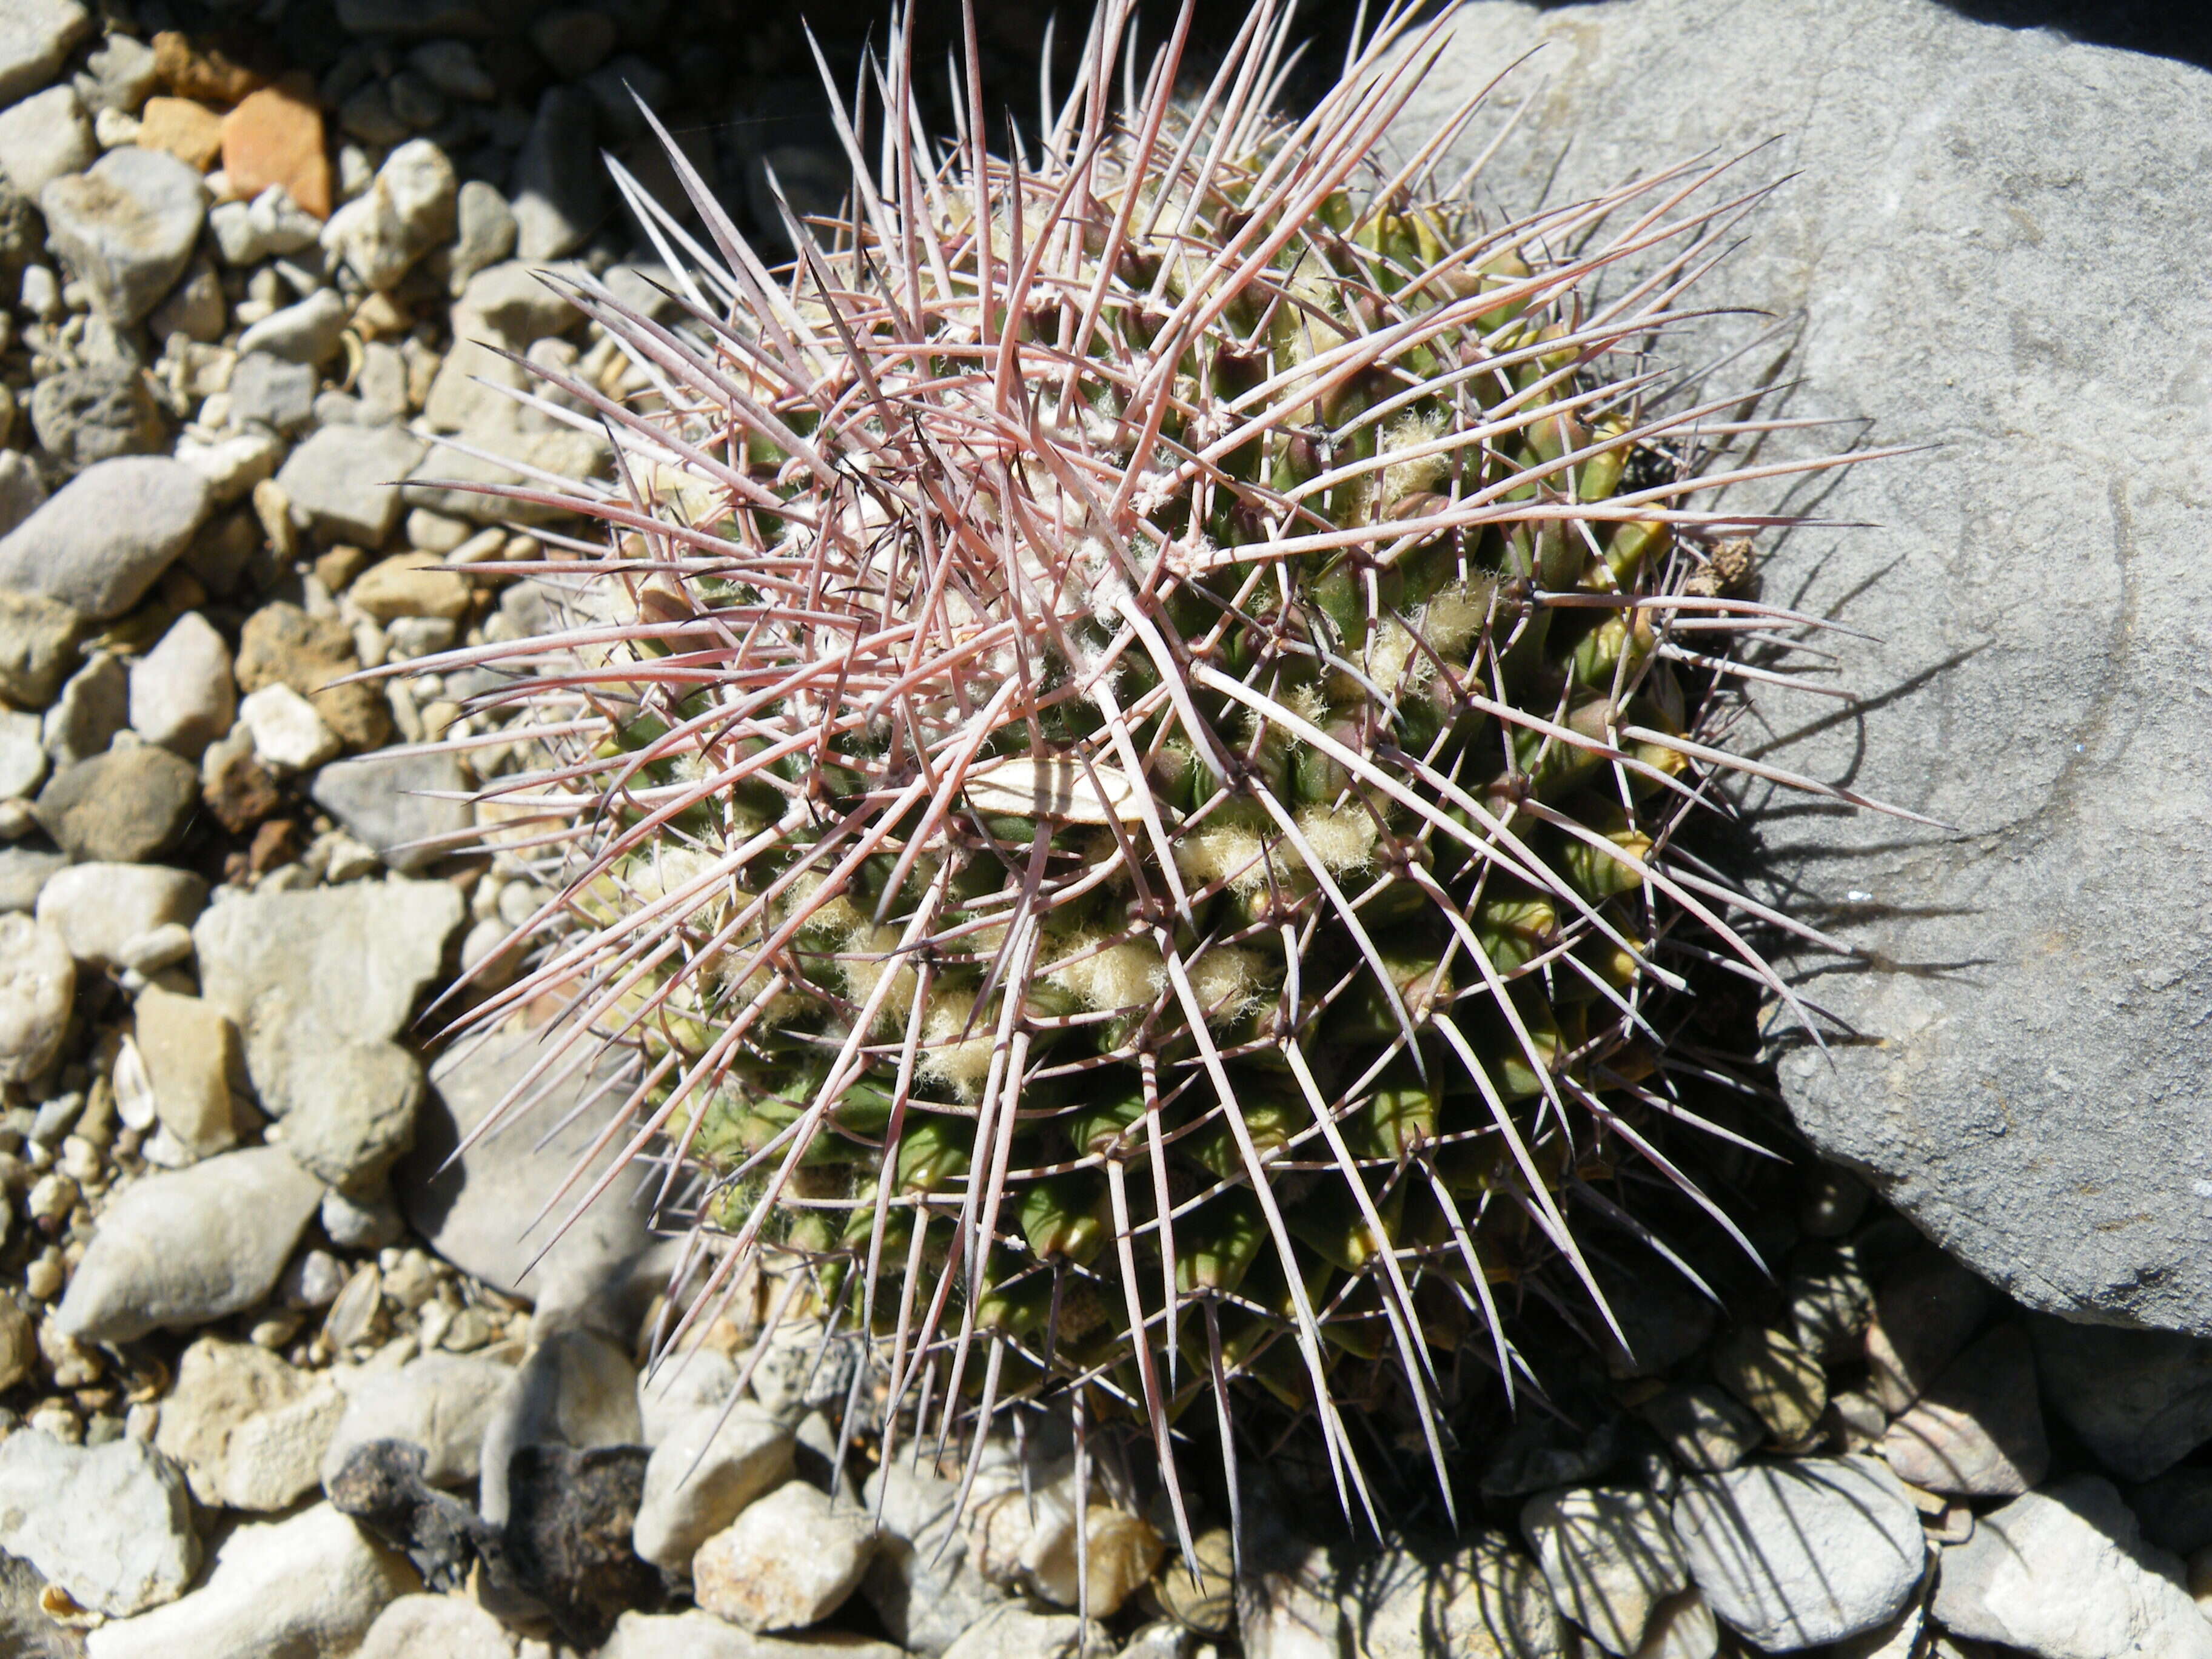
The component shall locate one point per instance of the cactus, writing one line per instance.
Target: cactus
(1119, 768)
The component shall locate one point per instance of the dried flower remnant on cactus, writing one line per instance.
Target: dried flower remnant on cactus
(1118, 768)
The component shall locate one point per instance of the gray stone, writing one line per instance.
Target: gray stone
(559, 196)
(1794, 1554)
(462, 398)
(307, 332)
(43, 137)
(372, 1222)
(24, 873)
(352, 960)
(178, 1249)
(111, 1525)
(268, 391)
(799, 1373)
(26, 1629)
(123, 807)
(93, 705)
(35, 36)
(441, 1402)
(344, 479)
(2065, 1574)
(196, 308)
(99, 544)
(517, 305)
(397, 804)
(1977, 1431)
(702, 1474)
(403, 214)
(450, 1626)
(22, 754)
(415, 101)
(126, 225)
(231, 466)
(1830, 1305)
(182, 694)
(95, 414)
(480, 1211)
(2034, 598)
(2176, 1509)
(451, 67)
(269, 227)
(1897, 1637)
(696, 1635)
(22, 492)
(1487, 1600)
(1926, 1314)
(2141, 1401)
(312, 1584)
(367, 115)
(486, 233)
(37, 981)
(320, 982)
(670, 1391)
(349, 1106)
(1011, 1630)
(1609, 1557)
(101, 908)
(38, 645)
(1702, 1427)
(119, 73)
(921, 1582)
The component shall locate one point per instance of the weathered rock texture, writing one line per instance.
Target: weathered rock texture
(1952, 260)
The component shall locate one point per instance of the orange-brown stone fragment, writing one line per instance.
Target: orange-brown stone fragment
(276, 137)
(192, 132)
(206, 73)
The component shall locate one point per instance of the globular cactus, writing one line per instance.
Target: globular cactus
(1119, 765)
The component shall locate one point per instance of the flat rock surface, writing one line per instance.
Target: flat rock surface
(98, 545)
(478, 1211)
(112, 1524)
(1978, 1432)
(1797, 1554)
(347, 962)
(2140, 1399)
(1609, 1557)
(184, 1249)
(2064, 1574)
(310, 1584)
(2036, 589)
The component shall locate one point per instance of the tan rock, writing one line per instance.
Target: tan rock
(19, 1344)
(410, 584)
(788, 1561)
(217, 1423)
(276, 136)
(191, 1051)
(282, 645)
(192, 132)
(1778, 1379)
(207, 73)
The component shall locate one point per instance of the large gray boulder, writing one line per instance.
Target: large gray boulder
(1962, 256)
